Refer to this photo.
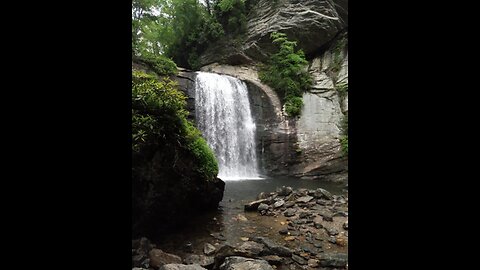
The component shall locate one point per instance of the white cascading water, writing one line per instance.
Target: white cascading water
(223, 115)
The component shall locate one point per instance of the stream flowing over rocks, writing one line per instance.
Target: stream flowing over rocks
(310, 231)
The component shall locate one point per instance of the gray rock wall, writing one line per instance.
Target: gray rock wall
(312, 22)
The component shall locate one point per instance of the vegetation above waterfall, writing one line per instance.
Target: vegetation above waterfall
(159, 125)
(286, 72)
(183, 29)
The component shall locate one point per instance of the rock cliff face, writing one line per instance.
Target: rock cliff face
(319, 126)
(313, 22)
(308, 146)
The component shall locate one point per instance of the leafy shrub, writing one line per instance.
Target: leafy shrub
(159, 122)
(160, 64)
(208, 165)
(293, 105)
(286, 72)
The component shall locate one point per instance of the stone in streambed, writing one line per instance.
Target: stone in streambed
(289, 238)
(283, 231)
(273, 248)
(304, 214)
(253, 206)
(278, 204)
(331, 231)
(181, 267)
(251, 249)
(289, 204)
(304, 199)
(208, 249)
(262, 196)
(202, 260)
(345, 225)
(299, 259)
(241, 263)
(272, 259)
(159, 258)
(313, 263)
(289, 212)
(317, 222)
(334, 260)
(262, 207)
(340, 214)
(218, 236)
(321, 193)
(284, 191)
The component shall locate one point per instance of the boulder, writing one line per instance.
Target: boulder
(312, 23)
(251, 249)
(208, 249)
(253, 206)
(202, 260)
(273, 248)
(334, 260)
(159, 258)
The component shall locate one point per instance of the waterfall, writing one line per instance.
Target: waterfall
(223, 115)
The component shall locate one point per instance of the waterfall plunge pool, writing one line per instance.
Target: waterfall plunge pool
(225, 220)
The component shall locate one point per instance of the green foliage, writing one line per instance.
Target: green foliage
(293, 106)
(160, 64)
(342, 89)
(208, 165)
(232, 15)
(145, 27)
(156, 97)
(192, 28)
(344, 143)
(286, 72)
(179, 29)
(159, 122)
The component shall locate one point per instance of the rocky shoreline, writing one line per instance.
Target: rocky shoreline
(311, 228)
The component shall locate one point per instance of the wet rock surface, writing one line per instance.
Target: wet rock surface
(310, 236)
